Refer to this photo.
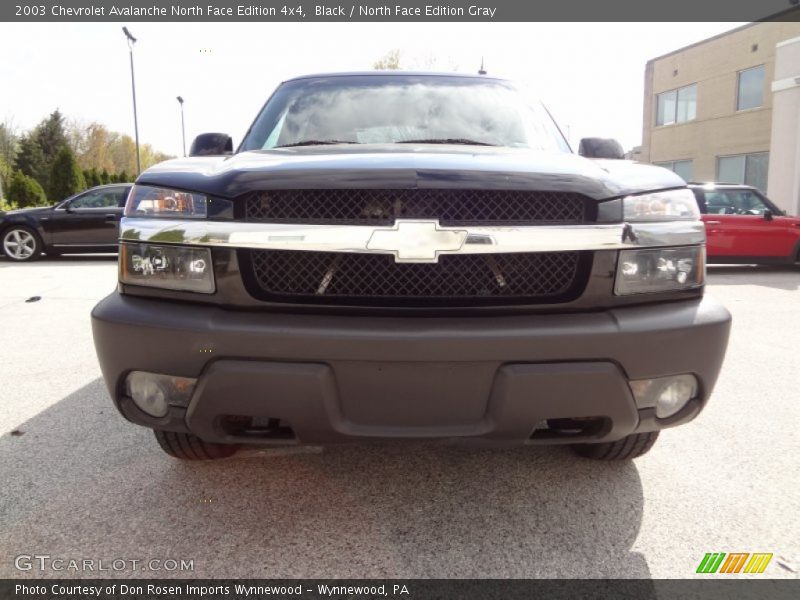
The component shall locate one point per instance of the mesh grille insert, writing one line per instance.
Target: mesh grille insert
(451, 207)
(456, 280)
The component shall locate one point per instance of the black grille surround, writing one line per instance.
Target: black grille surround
(384, 206)
(458, 280)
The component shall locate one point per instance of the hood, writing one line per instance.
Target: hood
(409, 166)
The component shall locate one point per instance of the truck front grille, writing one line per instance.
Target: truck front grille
(451, 207)
(353, 279)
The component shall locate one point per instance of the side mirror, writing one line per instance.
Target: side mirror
(601, 148)
(211, 144)
(768, 215)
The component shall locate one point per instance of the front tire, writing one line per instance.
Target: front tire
(190, 447)
(628, 448)
(21, 243)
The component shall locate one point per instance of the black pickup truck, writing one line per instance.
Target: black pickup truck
(409, 256)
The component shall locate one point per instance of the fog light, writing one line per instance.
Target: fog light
(667, 394)
(154, 392)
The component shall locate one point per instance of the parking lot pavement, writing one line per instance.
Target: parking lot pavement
(80, 482)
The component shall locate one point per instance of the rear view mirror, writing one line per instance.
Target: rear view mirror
(211, 144)
(601, 148)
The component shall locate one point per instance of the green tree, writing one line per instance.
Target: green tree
(8, 143)
(66, 177)
(25, 191)
(104, 177)
(123, 177)
(39, 148)
(5, 178)
(30, 158)
(389, 62)
(92, 177)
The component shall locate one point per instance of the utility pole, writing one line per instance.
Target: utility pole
(131, 42)
(183, 126)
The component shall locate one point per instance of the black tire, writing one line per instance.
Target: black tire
(627, 448)
(190, 447)
(8, 235)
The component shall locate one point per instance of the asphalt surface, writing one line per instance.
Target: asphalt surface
(79, 482)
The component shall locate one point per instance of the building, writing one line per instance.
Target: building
(728, 109)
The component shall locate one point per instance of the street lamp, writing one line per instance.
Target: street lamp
(131, 42)
(183, 125)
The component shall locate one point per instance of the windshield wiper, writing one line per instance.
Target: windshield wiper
(462, 141)
(316, 143)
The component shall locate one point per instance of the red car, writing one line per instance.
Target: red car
(744, 226)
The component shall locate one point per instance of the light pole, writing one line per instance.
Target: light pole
(183, 126)
(131, 42)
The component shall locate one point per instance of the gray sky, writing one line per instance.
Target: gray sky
(590, 75)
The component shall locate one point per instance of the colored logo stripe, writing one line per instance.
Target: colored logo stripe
(711, 562)
(734, 563)
(758, 563)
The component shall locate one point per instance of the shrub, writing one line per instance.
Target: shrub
(24, 191)
(66, 178)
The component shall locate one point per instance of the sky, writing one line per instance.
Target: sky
(590, 75)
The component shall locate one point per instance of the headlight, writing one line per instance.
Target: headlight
(660, 270)
(148, 201)
(153, 201)
(168, 267)
(672, 205)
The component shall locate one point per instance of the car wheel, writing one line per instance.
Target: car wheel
(21, 243)
(627, 448)
(190, 447)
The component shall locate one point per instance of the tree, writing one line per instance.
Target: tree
(8, 143)
(30, 158)
(40, 147)
(66, 178)
(389, 62)
(5, 178)
(94, 177)
(104, 177)
(123, 177)
(25, 191)
(122, 151)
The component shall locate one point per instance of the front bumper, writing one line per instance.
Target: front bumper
(336, 378)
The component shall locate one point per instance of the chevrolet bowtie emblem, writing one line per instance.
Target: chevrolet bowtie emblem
(417, 241)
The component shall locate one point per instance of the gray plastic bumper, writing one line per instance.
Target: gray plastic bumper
(336, 378)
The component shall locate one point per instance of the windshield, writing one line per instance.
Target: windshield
(395, 109)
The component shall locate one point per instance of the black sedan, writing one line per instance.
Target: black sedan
(86, 222)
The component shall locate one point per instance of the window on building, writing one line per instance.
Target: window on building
(750, 88)
(677, 106)
(683, 168)
(749, 169)
(687, 103)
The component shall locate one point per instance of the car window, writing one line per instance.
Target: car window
(98, 199)
(122, 196)
(734, 202)
(396, 109)
(701, 200)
